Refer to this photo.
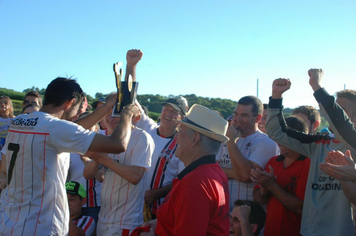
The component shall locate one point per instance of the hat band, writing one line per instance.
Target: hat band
(186, 120)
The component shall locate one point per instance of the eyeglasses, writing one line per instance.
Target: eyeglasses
(30, 102)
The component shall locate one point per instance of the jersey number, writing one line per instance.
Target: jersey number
(15, 148)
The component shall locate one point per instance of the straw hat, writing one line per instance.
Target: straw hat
(207, 122)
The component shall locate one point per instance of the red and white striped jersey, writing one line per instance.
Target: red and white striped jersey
(37, 162)
(86, 223)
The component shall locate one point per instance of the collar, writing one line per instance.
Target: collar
(164, 136)
(300, 158)
(210, 159)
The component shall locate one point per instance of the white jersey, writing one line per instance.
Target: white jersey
(37, 161)
(257, 147)
(92, 186)
(162, 173)
(122, 202)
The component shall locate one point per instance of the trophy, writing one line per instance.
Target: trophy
(126, 90)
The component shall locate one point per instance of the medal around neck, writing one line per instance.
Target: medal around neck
(126, 90)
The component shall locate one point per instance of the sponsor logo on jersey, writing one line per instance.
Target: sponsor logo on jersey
(24, 122)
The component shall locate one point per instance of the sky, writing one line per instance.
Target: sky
(217, 49)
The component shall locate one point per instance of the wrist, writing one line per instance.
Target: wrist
(276, 95)
(315, 87)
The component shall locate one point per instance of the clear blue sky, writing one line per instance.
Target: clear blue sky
(209, 48)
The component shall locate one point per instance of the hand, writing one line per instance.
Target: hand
(243, 213)
(279, 86)
(96, 156)
(315, 76)
(111, 100)
(339, 166)
(131, 110)
(133, 56)
(150, 197)
(152, 224)
(263, 178)
(233, 133)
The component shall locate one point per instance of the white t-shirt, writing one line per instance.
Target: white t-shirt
(37, 160)
(92, 186)
(122, 202)
(257, 147)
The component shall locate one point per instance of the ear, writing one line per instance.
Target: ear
(259, 118)
(69, 103)
(84, 200)
(315, 125)
(136, 118)
(196, 139)
(254, 228)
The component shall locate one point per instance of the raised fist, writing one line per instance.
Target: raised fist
(315, 76)
(279, 86)
(133, 56)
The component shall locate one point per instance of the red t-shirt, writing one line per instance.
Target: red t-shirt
(280, 220)
(198, 204)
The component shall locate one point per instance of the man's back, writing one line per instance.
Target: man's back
(34, 201)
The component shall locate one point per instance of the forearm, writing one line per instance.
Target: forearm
(261, 198)
(349, 189)
(91, 169)
(288, 200)
(132, 174)
(161, 192)
(93, 118)
(230, 173)
(241, 166)
(130, 70)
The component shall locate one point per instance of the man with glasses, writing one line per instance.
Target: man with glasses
(33, 98)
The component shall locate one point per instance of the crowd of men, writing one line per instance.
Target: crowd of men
(67, 169)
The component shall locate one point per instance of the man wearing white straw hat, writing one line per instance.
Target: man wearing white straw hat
(198, 204)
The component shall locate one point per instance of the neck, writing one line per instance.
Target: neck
(290, 158)
(196, 154)
(53, 111)
(245, 134)
(166, 132)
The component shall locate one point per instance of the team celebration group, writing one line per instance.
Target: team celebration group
(70, 168)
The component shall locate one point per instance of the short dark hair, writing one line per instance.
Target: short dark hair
(34, 94)
(257, 214)
(61, 90)
(348, 94)
(311, 113)
(257, 107)
(297, 123)
(29, 105)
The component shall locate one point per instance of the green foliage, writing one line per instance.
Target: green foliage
(12, 94)
(153, 115)
(17, 104)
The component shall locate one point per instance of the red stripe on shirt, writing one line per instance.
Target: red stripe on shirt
(43, 182)
(24, 132)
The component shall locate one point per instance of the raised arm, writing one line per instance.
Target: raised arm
(133, 56)
(117, 142)
(343, 128)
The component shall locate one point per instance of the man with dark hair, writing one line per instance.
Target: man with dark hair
(247, 218)
(310, 115)
(324, 195)
(247, 148)
(282, 186)
(37, 159)
(32, 97)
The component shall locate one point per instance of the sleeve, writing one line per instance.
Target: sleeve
(145, 123)
(88, 226)
(302, 180)
(142, 151)
(343, 128)
(67, 136)
(263, 151)
(278, 130)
